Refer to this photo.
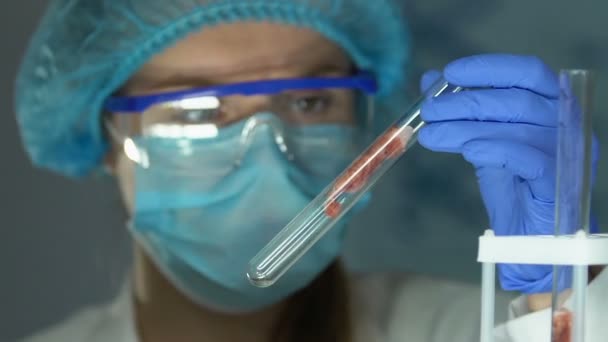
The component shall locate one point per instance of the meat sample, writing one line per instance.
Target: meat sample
(390, 145)
(562, 326)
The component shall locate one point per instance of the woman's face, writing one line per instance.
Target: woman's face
(230, 53)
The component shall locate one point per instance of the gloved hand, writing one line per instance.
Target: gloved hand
(507, 130)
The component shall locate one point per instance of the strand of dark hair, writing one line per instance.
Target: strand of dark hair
(320, 312)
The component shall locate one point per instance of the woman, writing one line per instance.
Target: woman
(221, 120)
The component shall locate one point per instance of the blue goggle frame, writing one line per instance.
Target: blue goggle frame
(363, 81)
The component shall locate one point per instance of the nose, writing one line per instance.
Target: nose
(263, 123)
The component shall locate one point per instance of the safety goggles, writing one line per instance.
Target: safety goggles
(292, 109)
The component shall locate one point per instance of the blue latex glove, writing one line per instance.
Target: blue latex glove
(508, 132)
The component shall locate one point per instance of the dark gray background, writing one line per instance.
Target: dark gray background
(63, 244)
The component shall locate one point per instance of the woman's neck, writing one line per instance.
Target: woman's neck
(165, 314)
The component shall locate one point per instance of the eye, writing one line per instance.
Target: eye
(313, 104)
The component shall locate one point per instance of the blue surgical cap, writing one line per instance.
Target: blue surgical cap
(83, 50)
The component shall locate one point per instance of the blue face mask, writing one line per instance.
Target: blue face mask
(201, 224)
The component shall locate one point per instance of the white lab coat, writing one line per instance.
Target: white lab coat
(385, 309)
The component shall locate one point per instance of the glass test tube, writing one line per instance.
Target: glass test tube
(341, 195)
(573, 199)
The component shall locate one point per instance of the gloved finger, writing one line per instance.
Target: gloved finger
(428, 78)
(528, 279)
(451, 136)
(503, 71)
(522, 160)
(506, 197)
(502, 105)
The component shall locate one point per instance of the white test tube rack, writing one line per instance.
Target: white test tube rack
(569, 250)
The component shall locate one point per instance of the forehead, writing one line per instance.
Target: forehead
(240, 52)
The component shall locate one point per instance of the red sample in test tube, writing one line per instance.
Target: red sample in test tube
(562, 326)
(391, 144)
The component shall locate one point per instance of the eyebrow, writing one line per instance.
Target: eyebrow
(180, 79)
